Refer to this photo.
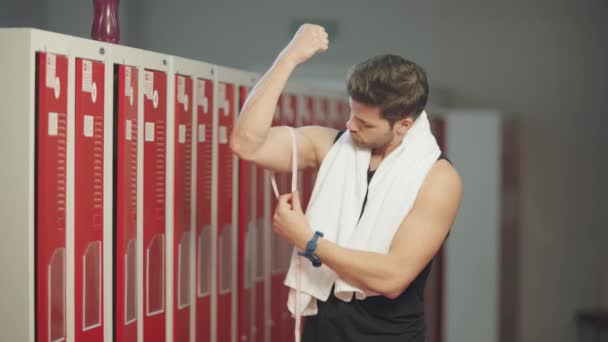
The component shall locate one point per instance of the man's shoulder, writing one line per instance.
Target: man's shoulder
(443, 171)
(443, 178)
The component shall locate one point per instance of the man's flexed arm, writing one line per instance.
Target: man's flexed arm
(252, 137)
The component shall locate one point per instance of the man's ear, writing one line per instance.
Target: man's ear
(404, 125)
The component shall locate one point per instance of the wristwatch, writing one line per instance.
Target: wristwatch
(311, 246)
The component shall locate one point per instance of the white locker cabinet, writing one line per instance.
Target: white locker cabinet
(57, 277)
(120, 197)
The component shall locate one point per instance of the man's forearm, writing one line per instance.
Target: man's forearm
(253, 125)
(377, 272)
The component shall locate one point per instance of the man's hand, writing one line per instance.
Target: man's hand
(309, 40)
(289, 221)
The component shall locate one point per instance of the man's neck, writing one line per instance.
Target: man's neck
(383, 151)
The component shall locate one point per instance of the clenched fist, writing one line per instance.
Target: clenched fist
(289, 221)
(309, 40)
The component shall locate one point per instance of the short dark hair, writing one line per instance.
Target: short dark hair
(396, 85)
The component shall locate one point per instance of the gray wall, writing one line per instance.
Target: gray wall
(26, 13)
(544, 61)
(63, 16)
(472, 251)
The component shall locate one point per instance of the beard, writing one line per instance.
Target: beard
(380, 142)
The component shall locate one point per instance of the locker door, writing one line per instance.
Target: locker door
(433, 291)
(88, 199)
(204, 160)
(226, 226)
(344, 114)
(307, 116)
(321, 112)
(262, 301)
(282, 323)
(246, 252)
(320, 115)
(274, 244)
(154, 196)
(125, 209)
(336, 114)
(287, 322)
(51, 159)
(274, 301)
(182, 207)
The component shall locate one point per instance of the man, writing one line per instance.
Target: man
(387, 95)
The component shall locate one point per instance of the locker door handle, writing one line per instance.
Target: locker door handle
(226, 107)
(205, 104)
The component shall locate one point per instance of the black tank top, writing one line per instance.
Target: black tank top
(376, 319)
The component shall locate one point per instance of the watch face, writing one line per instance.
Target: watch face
(310, 248)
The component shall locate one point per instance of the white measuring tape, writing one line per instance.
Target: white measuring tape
(294, 187)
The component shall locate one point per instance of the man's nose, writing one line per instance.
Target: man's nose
(351, 126)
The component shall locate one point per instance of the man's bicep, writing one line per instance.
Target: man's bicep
(275, 152)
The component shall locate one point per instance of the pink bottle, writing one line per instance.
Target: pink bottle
(105, 21)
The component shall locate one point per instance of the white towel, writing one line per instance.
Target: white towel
(337, 199)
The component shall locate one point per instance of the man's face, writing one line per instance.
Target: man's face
(367, 127)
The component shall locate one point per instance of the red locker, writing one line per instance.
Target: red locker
(271, 305)
(308, 116)
(51, 87)
(344, 111)
(275, 242)
(287, 322)
(226, 228)
(154, 197)
(321, 116)
(182, 207)
(433, 291)
(126, 204)
(321, 112)
(260, 267)
(333, 110)
(282, 323)
(287, 117)
(203, 208)
(88, 199)
(247, 189)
